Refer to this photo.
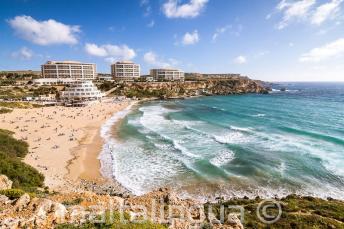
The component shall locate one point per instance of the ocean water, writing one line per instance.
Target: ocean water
(241, 145)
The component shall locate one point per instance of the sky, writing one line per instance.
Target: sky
(272, 40)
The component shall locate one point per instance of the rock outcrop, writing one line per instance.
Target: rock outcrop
(161, 206)
(235, 85)
(5, 183)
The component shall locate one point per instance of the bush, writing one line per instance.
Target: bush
(115, 223)
(23, 176)
(5, 110)
(11, 151)
(22, 105)
(106, 86)
(12, 146)
(72, 202)
(44, 91)
(12, 193)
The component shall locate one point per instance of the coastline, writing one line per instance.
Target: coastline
(64, 143)
(85, 155)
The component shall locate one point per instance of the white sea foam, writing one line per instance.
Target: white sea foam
(222, 158)
(231, 138)
(218, 108)
(105, 156)
(258, 115)
(181, 144)
(244, 129)
(328, 154)
(182, 149)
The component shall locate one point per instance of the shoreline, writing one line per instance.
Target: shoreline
(64, 141)
(85, 156)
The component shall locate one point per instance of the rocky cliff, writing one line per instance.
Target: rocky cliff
(159, 209)
(235, 85)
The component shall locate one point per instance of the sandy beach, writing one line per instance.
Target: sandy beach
(64, 142)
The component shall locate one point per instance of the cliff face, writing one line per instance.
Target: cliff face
(238, 85)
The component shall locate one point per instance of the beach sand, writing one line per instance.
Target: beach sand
(64, 142)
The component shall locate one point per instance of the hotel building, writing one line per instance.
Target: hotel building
(81, 90)
(125, 70)
(166, 74)
(69, 69)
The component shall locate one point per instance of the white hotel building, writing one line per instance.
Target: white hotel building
(125, 70)
(65, 72)
(81, 90)
(167, 74)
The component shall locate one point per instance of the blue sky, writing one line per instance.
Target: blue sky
(276, 40)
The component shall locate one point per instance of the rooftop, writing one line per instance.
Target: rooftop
(125, 62)
(65, 62)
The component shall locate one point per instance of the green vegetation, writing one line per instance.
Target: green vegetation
(113, 222)
(5, 110)
(72, 202)
(12, 92)
(297, 212)
(43, 91)
(11, 153)
(144, 93)
(12, 193)
(7, 82)
(10, 78)
(105, 86)
(27, 91)
(23, 105)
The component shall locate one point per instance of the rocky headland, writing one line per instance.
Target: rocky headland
(176, 89)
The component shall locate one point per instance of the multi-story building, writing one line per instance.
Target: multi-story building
(125, 70)
(69, 69)
(81, 90)
(166, 74)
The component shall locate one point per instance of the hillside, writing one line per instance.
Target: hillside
(235, 85)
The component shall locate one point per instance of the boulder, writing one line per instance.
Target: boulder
(5, 183)
(43, 208)
(59, 212)
(4, 200)
(10, 223)
(22, 202)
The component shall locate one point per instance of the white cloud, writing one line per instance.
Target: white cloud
(111, 52)
(146, 5)
(172, 8)
(44, 32)
(240, 60)
(220, 31)
(24, 54)
(111, 59)
(294, 10)
(190, 38)
(151, 24)
(154, 60)
(325, 52)
(325, 11)
(291, 44)
(95, 50)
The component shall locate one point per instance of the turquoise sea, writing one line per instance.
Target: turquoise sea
(242, 145)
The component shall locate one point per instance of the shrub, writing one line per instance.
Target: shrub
(114, 223)
(12, 193)
(5, 110)
(11, 151)
(72, 202)
(23, 175)
(22, 105)
(12, 146)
